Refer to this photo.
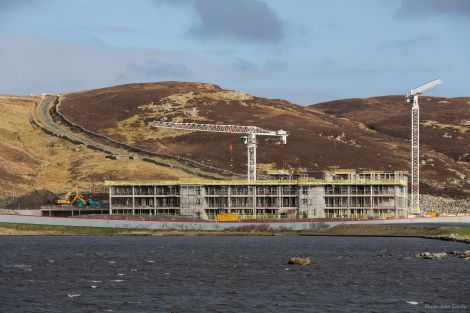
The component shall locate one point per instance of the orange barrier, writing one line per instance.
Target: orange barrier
(227, 217)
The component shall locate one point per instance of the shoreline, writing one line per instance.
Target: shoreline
(456, 234)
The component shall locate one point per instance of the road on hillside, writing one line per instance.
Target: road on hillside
(42, 117)
(45, 120)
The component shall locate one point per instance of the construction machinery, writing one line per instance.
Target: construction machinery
(412, 97)
(93, 203)
(65, 200)
(78, 200)
(75, 198)
(249, 138)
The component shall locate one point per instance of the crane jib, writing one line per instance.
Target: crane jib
(234, 129)
(425, 87)
(250, 139)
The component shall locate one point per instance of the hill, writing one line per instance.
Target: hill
(33, 160)
(356, 133)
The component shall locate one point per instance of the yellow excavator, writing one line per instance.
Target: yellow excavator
(71, 199)
(78, 200)
(66, 199)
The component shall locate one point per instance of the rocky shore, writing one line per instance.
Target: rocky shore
(440, 255)
(454, 237)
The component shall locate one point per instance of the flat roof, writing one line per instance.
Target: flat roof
(302, 181)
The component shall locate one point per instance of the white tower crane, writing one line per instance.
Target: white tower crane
(412, 96)
(250, 139)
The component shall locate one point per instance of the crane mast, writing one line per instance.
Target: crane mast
(249, 139)
(412, 97)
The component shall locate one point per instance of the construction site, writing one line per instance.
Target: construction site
(338, 194)
(221, 195)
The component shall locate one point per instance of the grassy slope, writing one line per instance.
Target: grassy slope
(32, 160)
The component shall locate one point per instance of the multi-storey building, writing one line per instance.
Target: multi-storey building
(340, 194)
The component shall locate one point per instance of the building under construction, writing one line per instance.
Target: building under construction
(338, 194)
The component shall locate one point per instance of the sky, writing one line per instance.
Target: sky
(304, 51)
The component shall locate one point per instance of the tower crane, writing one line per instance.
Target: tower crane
(249, 138)
(412, 97)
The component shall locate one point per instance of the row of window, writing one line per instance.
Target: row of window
(145, 190)
(249, 190)
(360, 190)
(359, 202)
(146, 202)
(368, 176)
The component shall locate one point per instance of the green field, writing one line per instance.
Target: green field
(461, 231)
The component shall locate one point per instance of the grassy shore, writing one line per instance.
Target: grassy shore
(394, 230)
(11, 229)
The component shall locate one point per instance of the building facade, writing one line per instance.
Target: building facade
(340, 194)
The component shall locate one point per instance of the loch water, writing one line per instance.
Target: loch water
(230, 274)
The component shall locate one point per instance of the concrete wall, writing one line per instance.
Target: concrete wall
(192, 201)
(198, 225)
(312, 203)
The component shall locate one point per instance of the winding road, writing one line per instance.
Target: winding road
(42, 117)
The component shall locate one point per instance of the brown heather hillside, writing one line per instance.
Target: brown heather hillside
(445, 123)
(444, 132)
(358, 133)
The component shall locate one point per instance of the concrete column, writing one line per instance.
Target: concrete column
(349, 199)
(395, 200)
(110, 200)
(229, 199)
(133, 200)
(154, 200)
(254, 201)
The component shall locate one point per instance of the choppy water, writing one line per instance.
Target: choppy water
(228, 274)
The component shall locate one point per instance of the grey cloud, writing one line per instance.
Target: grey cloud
(31, 64)
(244, 20)
(243, 65)
(409, 45)
(13, 4)
(277, 64)
(153, 69)
(106, 30)
(268, 66)
(434, 7)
